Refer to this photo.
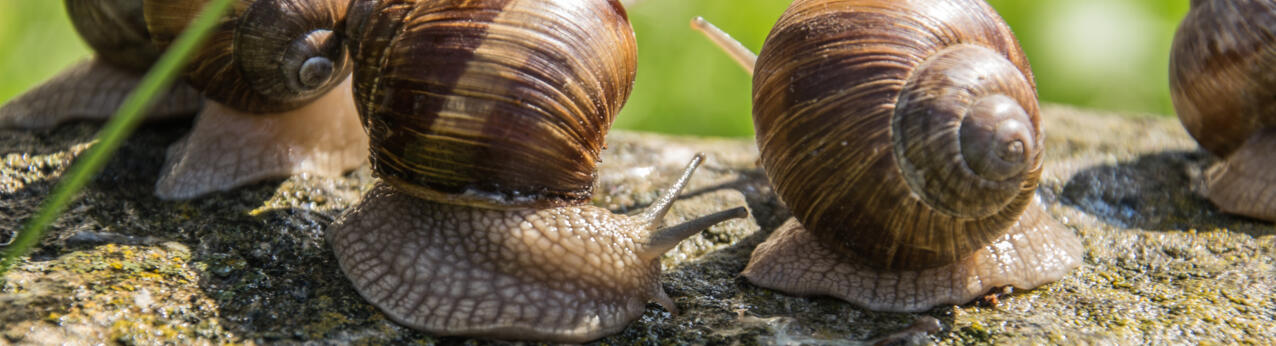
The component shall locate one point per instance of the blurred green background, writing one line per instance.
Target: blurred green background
(1109, 54)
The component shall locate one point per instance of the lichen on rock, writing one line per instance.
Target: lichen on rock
(251, 265)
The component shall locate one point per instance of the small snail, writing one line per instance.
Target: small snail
(1224, 91)
(486, 121)
(276, 79)
(905, 137)
(274, 74)
(95, 88)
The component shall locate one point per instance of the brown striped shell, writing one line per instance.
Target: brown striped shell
(267, 56)
(905, 135)
(115, 30)
(1223, 72)
(1223, 84)
(496, 103)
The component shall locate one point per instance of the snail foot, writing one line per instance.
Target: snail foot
(227, 148)
(90, 89)
(1035, 251)
(1245, 182)
(527, 274)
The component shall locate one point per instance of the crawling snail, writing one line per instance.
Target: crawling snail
(1224, 91)
(94, 88)
(487, 119)
(905, 136)
(274, 76)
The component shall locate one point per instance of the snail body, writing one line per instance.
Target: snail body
(1224, 92)
(94, 88)
(905, 137)
(487, 119)
(274, 75)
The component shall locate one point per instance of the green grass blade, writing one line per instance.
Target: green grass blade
(159, 79)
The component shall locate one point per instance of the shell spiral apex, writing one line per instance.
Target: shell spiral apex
(268, 56)
(924, 134)
(276, 75)
(906, 138)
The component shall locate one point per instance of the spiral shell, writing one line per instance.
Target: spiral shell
(1224, 91)
(486, 120)
(115, 30)
(268, 55)
(1221, 78)
(505, 104)
(906, 136)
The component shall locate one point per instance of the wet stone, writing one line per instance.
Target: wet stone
(1162, 265)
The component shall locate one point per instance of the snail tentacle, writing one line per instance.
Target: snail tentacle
(660, 240)
(906, 138)
(566, 274)
(487, 120)
(736, 50)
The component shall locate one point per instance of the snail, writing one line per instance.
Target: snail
(486, 121)
(94, 88)
(274, 76)
(1224, 92)
(276, 79)
(906, 138)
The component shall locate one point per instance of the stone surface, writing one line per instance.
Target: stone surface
(251, 265)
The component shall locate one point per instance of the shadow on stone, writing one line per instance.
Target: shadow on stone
(1154, 192)
(762, 202)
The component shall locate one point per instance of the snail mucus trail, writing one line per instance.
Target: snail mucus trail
(925, 121)
(487, 119)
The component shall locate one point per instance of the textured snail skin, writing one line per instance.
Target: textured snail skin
(905, 136)
(1223, 84)
(95, 88)
(521, 274)
(275, 75)
(276, 78)
(793, 261)
(91, 89)
(561, 274)
(487, 119)
(230, 148)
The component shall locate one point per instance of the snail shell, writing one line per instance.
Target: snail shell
(531, 129)
(269, 56)
(95, 88)
(1223, 86)
(906, 138)
(275, 73)
(486, 121)
(116, 30)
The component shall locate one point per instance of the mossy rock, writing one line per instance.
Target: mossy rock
(1162, 264)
